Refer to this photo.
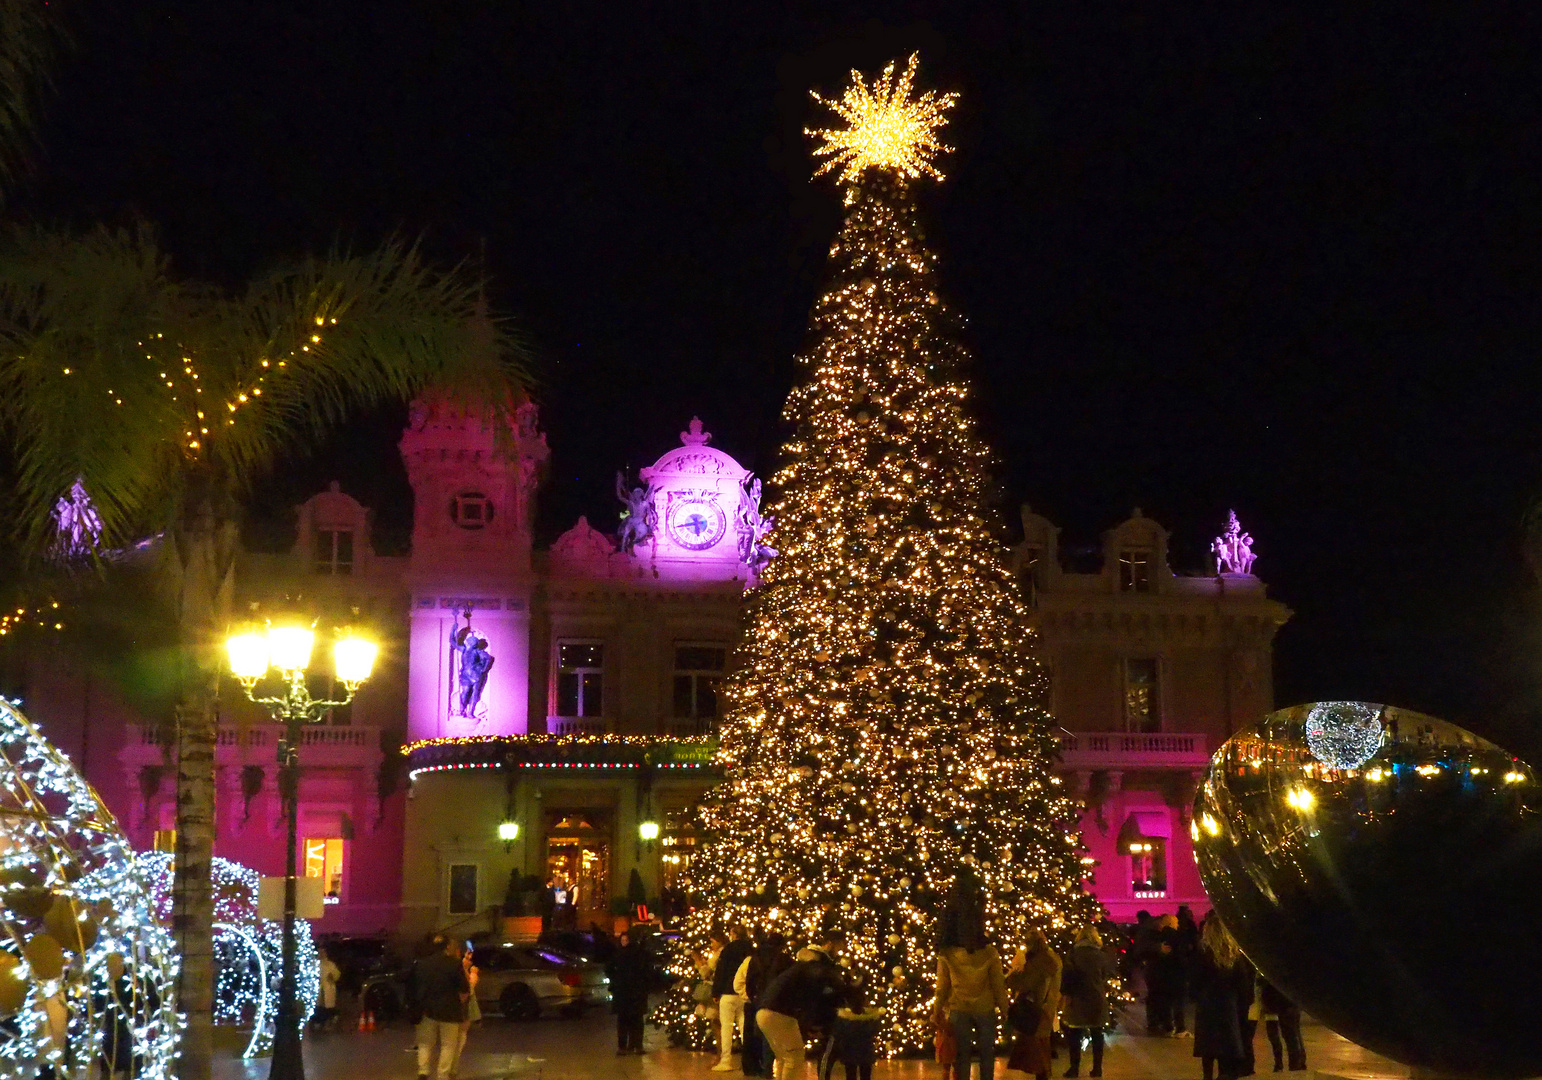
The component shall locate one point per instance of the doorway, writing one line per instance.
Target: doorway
(578, 863)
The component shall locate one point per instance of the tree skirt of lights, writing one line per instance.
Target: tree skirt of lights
(248, 951)
(86, 972)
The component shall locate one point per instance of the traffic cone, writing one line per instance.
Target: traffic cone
(371, 1026)
(363, 1016)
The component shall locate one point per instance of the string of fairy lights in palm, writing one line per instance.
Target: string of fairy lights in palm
(186, 388)
(885, 730)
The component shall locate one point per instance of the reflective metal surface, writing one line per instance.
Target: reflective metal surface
(1391, 887)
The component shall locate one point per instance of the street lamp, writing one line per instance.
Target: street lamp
(288, 648)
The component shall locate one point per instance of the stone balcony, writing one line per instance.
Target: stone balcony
(699, 728)
(321, 746)
(1091, 751)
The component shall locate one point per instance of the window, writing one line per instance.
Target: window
(580, 678)
(324, 860)
(697, 670)
(1135, 570)
(1148, 867)
(462, 889)
(471, 510)
(1142, 707)
(334, 551)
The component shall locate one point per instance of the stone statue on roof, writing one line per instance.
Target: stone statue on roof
(641, 516)
(1233, 549)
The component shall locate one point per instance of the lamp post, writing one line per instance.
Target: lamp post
(288, 648)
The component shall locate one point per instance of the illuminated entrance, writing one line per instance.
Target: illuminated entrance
(578, 863)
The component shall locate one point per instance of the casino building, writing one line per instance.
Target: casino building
(552, 714)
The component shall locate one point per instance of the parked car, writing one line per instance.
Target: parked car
(584, 944)
(523, 981)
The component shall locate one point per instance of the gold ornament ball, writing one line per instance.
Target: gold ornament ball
(71, 924)
(45, 956)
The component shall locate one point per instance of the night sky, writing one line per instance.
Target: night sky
(1281, 258)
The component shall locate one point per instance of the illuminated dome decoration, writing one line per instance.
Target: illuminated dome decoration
(887, 129)
(248, 951)
(1390, 899)
(85, 970)
(1343, 734)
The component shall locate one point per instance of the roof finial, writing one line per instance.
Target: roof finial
(695, 436)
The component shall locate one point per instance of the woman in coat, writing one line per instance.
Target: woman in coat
(1223, 989)
(1084, 998)
(970, 991)
(1034, 980)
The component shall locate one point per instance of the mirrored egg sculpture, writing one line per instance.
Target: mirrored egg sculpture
(87, 975)
(1383, 869)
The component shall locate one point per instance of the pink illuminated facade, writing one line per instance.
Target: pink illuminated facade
(1150, 671)
(570, 693)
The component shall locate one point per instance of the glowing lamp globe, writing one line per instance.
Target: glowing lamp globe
(648, 830)
(1381, 868)
(248, 655)
(354, 659)
(508, 830)
(289, 647)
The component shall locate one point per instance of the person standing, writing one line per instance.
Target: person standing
(440, 986)
(473, 1009)
(1165, 980)
(730, 1003)
(807, 994)
(1033, 986)
(769, 961)
(329, 974)
(855, 1041)
(1219, 1003)
(1084, 996)
(630, 973)
(970, 990)
(1282, 1021)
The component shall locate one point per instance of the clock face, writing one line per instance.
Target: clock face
(694, 520)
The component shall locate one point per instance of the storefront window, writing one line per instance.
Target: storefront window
(324, 859)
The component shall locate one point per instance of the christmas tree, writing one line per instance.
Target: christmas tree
(886, 731)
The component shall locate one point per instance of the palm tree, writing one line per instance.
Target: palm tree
(29, 38)
(166, 399)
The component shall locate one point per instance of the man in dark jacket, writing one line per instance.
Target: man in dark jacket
(809, 994)
(730, 1005)
(630, 973)
(440, 988)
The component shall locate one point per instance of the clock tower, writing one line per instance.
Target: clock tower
(470, 574)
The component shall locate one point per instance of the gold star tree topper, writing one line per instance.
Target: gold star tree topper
(886, 127)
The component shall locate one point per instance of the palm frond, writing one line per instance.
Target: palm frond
(30, 36)
(84, 327)
(311, 344)
(158, 394)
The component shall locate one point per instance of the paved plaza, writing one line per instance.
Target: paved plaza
(585, 1050)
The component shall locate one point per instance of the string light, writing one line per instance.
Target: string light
(86, 970)
(887, 130)
(248, 951)
(885, 726)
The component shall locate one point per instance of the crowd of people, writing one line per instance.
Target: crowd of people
(1180, 961)
(774, 999)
